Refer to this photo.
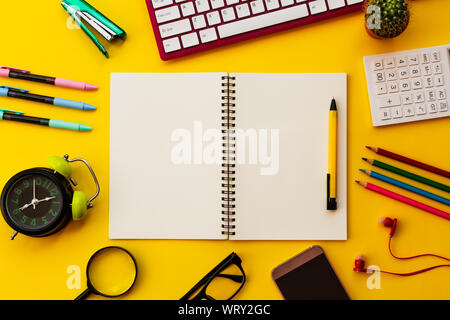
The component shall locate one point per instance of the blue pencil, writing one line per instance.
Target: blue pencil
(406, 186)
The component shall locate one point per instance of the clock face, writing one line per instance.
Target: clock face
(34, 202)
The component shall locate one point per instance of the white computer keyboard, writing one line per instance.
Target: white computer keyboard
(409, 85)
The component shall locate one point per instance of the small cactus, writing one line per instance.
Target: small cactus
(386, 18)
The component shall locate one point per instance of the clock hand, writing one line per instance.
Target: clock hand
(34, 195)
(34, 202)
(46, 199)
(25, 206)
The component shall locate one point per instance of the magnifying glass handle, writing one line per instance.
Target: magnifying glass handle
(84, 295)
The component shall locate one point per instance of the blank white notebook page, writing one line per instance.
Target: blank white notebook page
(281, 183)
(160, 185)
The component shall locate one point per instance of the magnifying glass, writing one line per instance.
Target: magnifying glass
(111, 272)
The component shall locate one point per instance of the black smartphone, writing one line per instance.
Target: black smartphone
(309, 276)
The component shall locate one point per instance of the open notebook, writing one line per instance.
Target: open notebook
(239, 156)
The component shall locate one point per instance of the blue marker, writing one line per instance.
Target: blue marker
(406, 186)
(12, 92)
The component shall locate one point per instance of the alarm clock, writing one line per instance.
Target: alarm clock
(39, 202)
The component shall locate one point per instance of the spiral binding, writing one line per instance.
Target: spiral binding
(228, 155)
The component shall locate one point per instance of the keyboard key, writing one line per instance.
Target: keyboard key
(242, 10)
(418, 97)
(432, 107)
(215, 4)
(189, 40)
(199, 22)
(208, 35)
(257, 7)
(397, 112)
(285, 3)
(441, 94)
(401, 61)
(187, 9)
(171, 45)
(437, 68)
(202, 5)
(317, 6)
(335, 4)
(405, 85)
(231, 2)
(385, 114)
(420, 109)
(389, 63)
(413, 60)
(430, 95)
(438, 81)
(389, 101)
(213, 18)
(381, 88)
(408, 111)
(392, 87)
(174, 28)
(424, 57)
(443, 106)
(406, 99)
(228, 14)
(272, 4)
(161, 3)
(435, 56)
(378, 65)
(263, 21)
(167, 14)
(417, 84)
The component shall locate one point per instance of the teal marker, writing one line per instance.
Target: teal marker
(6, 91)
(20, 117)
(406, 186)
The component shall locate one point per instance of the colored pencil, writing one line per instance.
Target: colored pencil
(406, 186)
(408, 174)
(411, 202)
(410, 161)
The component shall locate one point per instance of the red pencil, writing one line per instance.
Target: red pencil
(404, 199)
(410, 161)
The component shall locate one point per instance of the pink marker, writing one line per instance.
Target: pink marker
(8, 72)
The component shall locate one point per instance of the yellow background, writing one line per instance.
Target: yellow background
(35, 36)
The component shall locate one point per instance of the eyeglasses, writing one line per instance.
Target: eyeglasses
(221, 283)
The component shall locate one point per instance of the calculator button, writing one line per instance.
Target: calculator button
(397, 112)
(426, 70)
(401, 61)
(418, 97)
(403, 73)
(381, 88)
(406, 99)
(385, 114)
(391, 75)
(417, 84)
(413, 60)
(441, 94)
(435, 56)
(379, 76)
(408, 111)
(389, 63)
(443, 106)
(430, 95)
(392, 87)
(428, 83)
(437, 68)
(432, 107)
(424, 57)
(389, 101)
(420, 109)
(171, 45)
(414, 71)
(438, 81)
(377, 65)
(405, 85)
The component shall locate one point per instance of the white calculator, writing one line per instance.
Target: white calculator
(407, 86)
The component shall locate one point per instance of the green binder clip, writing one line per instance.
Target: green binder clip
(81, 10)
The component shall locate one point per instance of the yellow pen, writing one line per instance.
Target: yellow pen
(332, 153)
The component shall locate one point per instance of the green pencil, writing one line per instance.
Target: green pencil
(408, 174)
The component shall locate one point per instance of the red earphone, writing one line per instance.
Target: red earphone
(392, 224)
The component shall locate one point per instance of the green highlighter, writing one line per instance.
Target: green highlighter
(81, 10)
(20, 117)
